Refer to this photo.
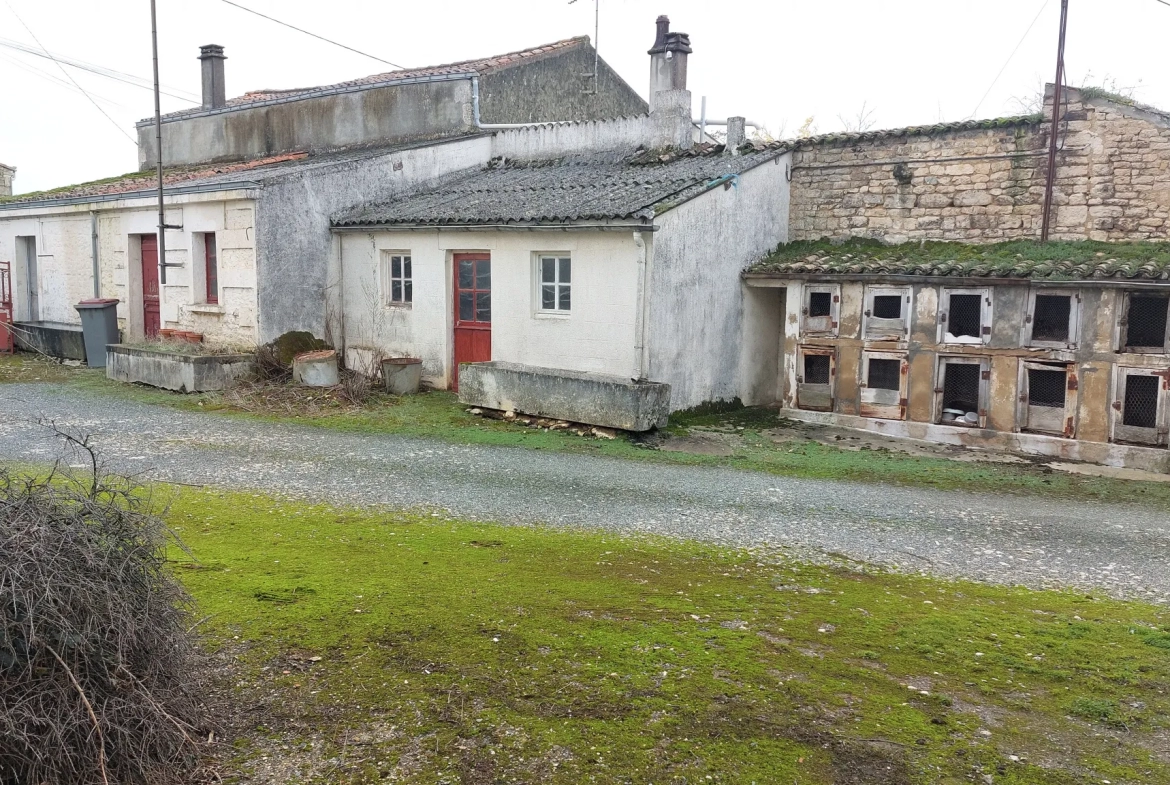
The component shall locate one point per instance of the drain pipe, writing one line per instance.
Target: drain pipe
(93, 238)
(499, 126)
(640, 319)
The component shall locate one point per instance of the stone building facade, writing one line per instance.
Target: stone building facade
(983, 181)
(7, 175)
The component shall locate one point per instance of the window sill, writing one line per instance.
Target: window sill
(398, 306)
(552, 314)
(207, 308)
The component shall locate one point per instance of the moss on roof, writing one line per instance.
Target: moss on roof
(1067, 261)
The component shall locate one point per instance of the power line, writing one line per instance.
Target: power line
(314, 35)
(69, 76)
(1013, 54)
(42, 73)
(109, 73)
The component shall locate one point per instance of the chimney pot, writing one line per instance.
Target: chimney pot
(214, 92)
(668, 59)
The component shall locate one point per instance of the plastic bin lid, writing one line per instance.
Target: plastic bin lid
(98, 302)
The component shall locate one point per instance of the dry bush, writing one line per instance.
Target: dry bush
(97, 660)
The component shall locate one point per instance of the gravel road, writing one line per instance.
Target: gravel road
(1118, 549)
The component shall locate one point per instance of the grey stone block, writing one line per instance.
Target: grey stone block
(595, 399)
(174, 371)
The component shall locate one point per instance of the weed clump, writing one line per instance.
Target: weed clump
(97, 660)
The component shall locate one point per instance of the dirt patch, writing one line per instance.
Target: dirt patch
(1091, 470)
(855, 441)
(700, 442)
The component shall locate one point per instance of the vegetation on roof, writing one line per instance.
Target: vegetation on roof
(51, 192)
(1015, 259)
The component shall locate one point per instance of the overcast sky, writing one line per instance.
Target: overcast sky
(778, 62)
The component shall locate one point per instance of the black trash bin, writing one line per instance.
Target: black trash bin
(99, 325)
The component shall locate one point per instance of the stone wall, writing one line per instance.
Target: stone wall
(984, 182)
(7, 175)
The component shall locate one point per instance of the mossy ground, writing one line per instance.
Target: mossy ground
(473, 653)
(438, 415)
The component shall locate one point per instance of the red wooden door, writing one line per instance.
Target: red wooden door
(473, 310)
(150, 314)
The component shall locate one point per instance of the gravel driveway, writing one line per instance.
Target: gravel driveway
(1118, 549)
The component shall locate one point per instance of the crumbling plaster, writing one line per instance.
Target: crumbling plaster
(1095, 359)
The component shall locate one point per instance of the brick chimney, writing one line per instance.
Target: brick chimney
(670, 101)
(214, 94)
(7, 175)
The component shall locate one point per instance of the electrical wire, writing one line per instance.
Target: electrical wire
(70, 77)
(1013, 54)
(109, 73)
(32, 69)
(314, 35)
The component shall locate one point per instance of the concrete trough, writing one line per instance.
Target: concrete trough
(173, 370)
(591, 398)
(55, 339)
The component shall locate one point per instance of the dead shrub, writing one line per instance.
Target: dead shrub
(97, 660)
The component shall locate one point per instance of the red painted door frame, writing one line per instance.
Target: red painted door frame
(473, 310)
(150, 302)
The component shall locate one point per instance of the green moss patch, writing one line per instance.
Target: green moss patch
(1014, 259)
(370, 645)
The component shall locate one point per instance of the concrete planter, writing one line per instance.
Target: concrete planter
(402, 375)
(173, 370)
(55, 339)
(316, 369)
(595, 399)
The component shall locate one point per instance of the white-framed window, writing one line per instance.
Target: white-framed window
(554, 275)
(816, 376)
(397, 278)
(884, 382)
(820, 309)
(961, 394)
(887, 313)
(1048, 398)
(1141, 414)
(964, 316)
(1054, 318)
(1145, 328)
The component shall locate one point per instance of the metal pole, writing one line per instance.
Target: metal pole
(596, 43)
(1056, 96)
(162, 217)
(703, 121)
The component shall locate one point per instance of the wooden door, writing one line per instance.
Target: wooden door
(473, 310)
(150, 312)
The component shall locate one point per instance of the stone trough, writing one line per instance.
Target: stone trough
(596, 399)
(174, 370)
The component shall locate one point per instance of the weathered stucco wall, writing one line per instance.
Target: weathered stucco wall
(383, 115)
(556, 88)
(596, 336)
(695, 300)
(65, 262)
(1094, 359)
(542, 88)
(297, 266)
(986, 184)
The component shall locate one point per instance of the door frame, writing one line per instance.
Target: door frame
(456, 258)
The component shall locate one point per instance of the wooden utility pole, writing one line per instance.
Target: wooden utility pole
(1056, 97)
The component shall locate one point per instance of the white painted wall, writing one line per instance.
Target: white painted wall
(65, 258)
(695, 326)
(597, 336)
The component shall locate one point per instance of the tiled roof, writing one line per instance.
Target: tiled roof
(598, 186)
(144, 181)
(480, 66)
(253, 172)
(1026, 259)
(854, 137)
